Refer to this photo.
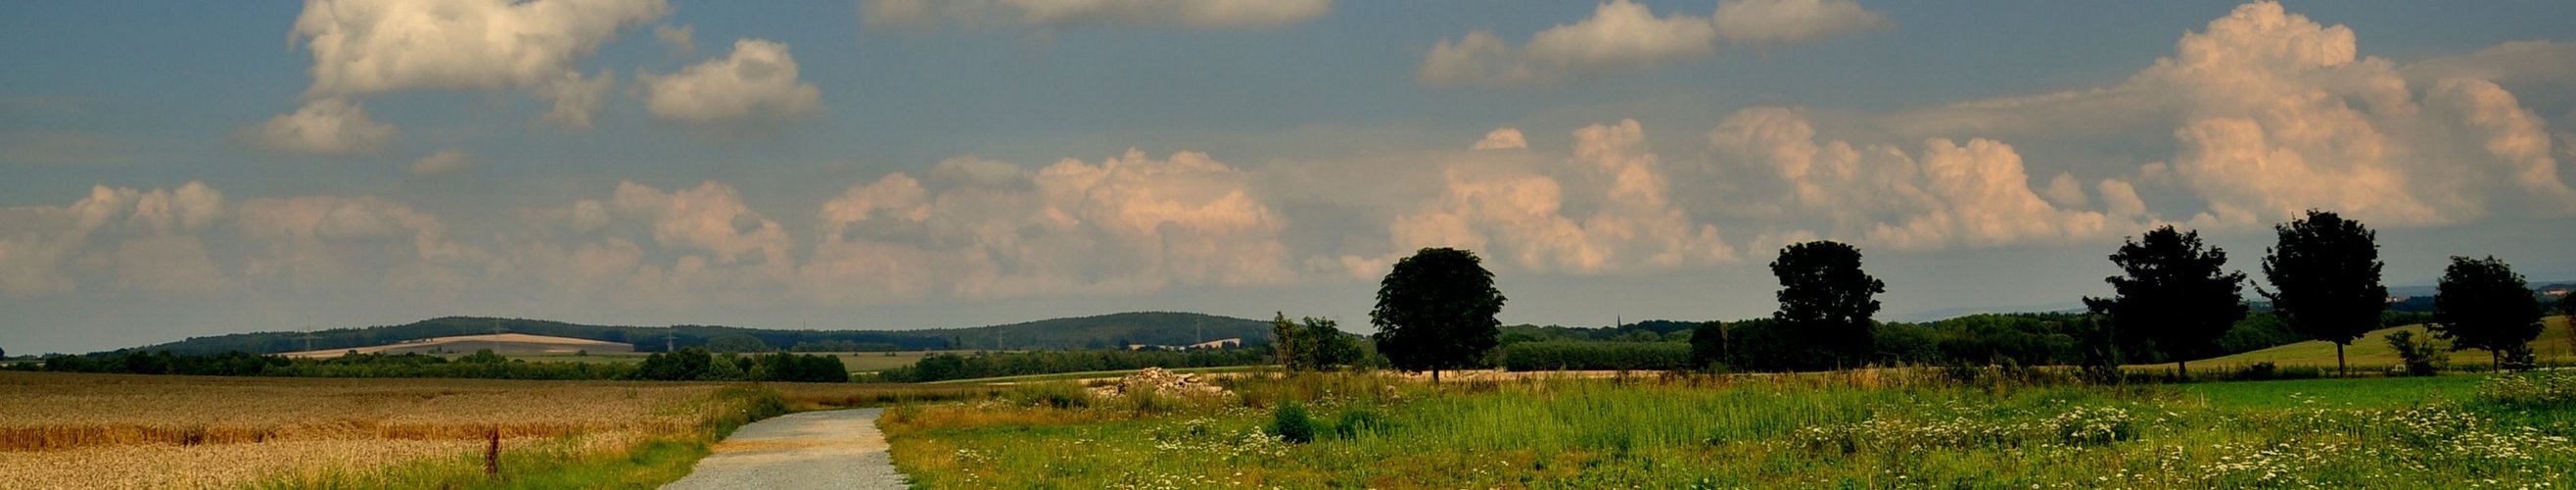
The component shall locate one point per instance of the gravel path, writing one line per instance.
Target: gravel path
(835, 449)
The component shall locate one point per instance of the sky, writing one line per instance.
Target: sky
(177, 169)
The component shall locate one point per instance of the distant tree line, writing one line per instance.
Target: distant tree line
(942, 367)
(687, 364)
(694, 364)
(2176, 300)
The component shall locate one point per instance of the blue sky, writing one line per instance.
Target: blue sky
(169, 170)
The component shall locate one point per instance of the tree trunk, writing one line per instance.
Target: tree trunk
(2182, 371)
(2340, 371)
(1435, 377)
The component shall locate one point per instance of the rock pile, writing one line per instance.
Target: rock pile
(1160, 382)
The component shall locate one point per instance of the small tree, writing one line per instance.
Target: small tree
(2327, 270)
(1284, 340)
(1435, 310)
(2483, 304)
(2422, 355)
(1322, 345)
(1825, 299)
(2176, 295)
(1708, 344)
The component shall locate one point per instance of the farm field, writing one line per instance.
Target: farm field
(856, 362)
(60, 430)
(1809, 431)
(2372, 350)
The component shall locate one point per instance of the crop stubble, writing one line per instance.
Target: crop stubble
(90, 431)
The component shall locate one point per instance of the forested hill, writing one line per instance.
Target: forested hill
(1105, 331)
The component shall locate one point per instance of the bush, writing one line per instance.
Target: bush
(1291, 424)
(2422, 356)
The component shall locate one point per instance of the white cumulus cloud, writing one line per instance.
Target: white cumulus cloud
(1945, 194)
(368, 46)
(2269, 113)
(1604, 210)
(981, 228)
(1789, 21)
(1502, 139)
(1620, 36)
(755, 87)
(363, 47)
(323, 127)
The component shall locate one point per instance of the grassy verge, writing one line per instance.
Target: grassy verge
(1780, 431)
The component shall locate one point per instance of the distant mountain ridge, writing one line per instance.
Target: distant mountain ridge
(1102, 331)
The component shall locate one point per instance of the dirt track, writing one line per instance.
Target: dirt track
(834, 449)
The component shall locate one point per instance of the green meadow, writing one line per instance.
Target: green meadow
(1889, 428)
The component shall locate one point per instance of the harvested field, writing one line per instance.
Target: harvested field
(78, 430)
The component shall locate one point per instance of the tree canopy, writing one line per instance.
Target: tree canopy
(2175, 296)
(1312, 344)
(1435, 310)
(1825, 300)
(2326, 270)
(2483, 304)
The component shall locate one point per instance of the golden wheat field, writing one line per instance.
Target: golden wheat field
(60, 430)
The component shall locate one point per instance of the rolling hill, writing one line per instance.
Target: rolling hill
(1104, 331)
(2372, 350)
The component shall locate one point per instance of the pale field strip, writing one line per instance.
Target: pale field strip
(62, 430)
(506, 342)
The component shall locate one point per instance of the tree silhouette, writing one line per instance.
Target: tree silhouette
(1825, 299)
(2327, 271)
(1436, 310)
(2176, 295)
(1708, 344)
(2483, 304)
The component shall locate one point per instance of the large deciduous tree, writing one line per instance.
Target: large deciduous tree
(1436, 310)
(2175, 294)
(1825, 300)
(2483, 304)
(2326, 269)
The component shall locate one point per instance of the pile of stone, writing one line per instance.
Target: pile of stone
(1160, 382)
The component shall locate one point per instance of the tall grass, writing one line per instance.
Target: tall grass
(1892, 428)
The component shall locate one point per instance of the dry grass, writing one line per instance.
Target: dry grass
(88, 431)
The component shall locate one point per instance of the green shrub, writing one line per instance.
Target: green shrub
(1051, 395)
(2422, 356)
(1291, 424)
(1356, 421)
